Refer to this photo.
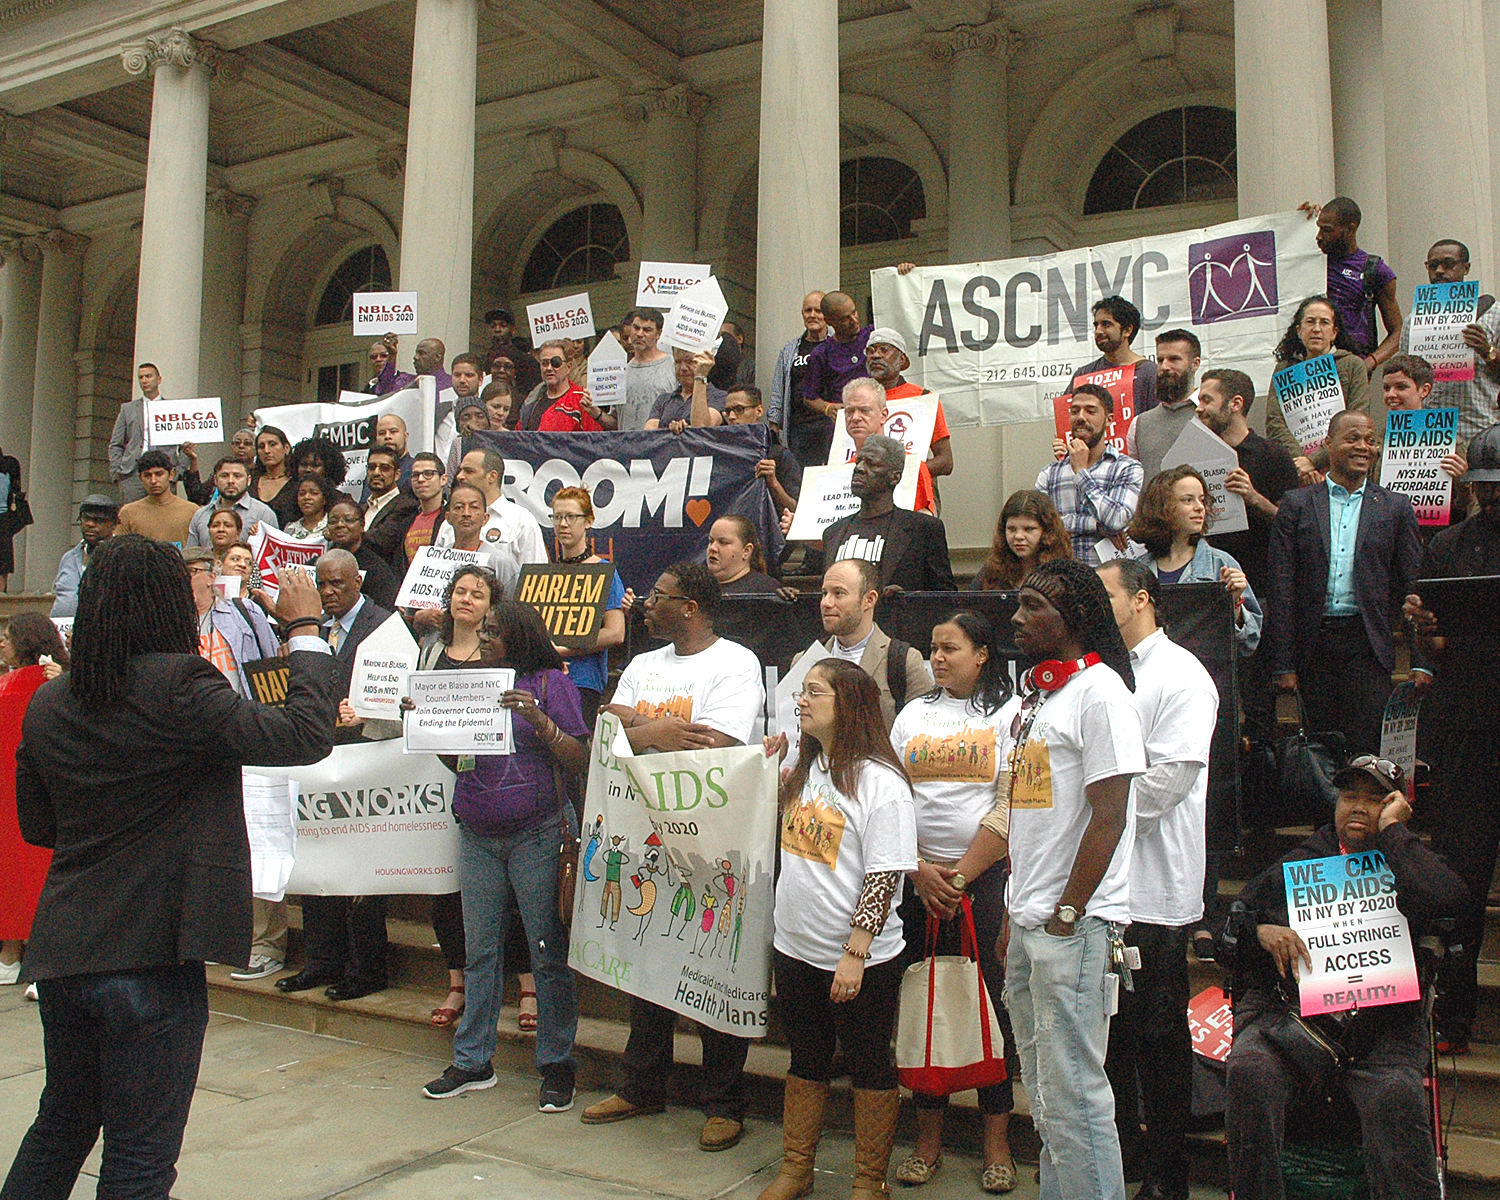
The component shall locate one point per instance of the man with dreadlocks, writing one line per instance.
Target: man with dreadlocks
(129, 770)
(1074, 747)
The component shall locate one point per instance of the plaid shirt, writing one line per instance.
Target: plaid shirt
(1474, 398)
(1095, 503)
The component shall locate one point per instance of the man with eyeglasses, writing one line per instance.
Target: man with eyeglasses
(564, 407)
(699, 691)
(781, 470)
(390, 510)
(427, 481)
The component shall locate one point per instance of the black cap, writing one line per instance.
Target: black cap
(98, 503)
(1366, 766)
(1484, 457)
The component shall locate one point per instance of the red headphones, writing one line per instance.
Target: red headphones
(1052, 674)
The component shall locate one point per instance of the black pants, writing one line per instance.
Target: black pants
(344, 938)
(1344, 686)
(987, 896)
(448, 924)
(1150, 1058)
(648, 1062)
(809, 443)
(815, 1025)
(122, 1055)
(1467, 821)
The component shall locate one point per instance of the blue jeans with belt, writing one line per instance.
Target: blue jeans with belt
(122, 1054)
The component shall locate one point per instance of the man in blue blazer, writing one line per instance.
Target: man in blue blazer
(1343, 556)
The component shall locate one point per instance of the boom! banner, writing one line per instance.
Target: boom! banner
(1000, 340)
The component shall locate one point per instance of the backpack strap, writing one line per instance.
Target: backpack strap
(1367, 279)
(895, 671)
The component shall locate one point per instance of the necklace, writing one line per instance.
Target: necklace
(574, 558)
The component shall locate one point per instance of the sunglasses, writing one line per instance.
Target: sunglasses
(1384, 765)
(553, 362)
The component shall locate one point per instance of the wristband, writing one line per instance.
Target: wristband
(302, 621)
(853, 953)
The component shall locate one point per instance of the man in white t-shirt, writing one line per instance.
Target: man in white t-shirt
(1150, 1046)
(699, 692)
(1071, 832)
(510, 529)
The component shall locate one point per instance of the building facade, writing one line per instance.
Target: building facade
(205, 183)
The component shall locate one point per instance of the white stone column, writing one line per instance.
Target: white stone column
(226, 223)
(55, 409)
(437, 213)
(1358, 87)
(978, 166)
(1283, 104)
(1438, 149)
(20, 298)
(669, 216)
(797, 247)
(171, 276)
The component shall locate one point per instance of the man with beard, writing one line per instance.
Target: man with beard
(1151, 434)
(1093, 487)
(1130, 376)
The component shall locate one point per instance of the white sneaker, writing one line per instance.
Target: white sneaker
(261, 965)
(31, 993)
(10, 973)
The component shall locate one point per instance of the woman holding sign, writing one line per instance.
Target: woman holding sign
(848, 833)
(572, 518)
(1314, 332)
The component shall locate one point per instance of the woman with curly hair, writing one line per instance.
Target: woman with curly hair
(1028, 533)
(320, 456)
(1315, 331)
(315, 496)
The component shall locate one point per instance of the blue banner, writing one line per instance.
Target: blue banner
(656, 494)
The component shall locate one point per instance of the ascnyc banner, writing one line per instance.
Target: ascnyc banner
(352, 426)
(999, 340)
(656, 494)
(674, 900)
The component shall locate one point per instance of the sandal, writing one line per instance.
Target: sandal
(446, 1017)
(915, 1170)
(526, 1020)
(998, 1178)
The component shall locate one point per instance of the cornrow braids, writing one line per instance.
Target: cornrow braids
(135, 598)
(1076, 591)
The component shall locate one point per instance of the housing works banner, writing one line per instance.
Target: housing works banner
(372, 820)
(655, 493)
(674, 900)
(999, 340)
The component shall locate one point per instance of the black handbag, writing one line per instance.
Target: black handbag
(1305, 766)
(1314, 1048)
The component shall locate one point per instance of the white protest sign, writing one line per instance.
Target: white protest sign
(1344, 908)
(1439, 313)
(1416, 442)
(1398, 731)
(659, 282)
(271, 822)
(1311, 395)
(228, 586)
(427, 578)
(1199, 446)
(909, 421)
(607, 371)
(825, 499)
(381, 664)
(567, 316)
(1107, 551)
(172, 422)
(458, 712)
(674, 896)
(351, 426)
(696, 317)
(787, 721)
(273, 550)
(64, 627)
(357, 397)
(384, 312)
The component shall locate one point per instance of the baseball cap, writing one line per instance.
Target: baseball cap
(885, 336)
(1367, 766)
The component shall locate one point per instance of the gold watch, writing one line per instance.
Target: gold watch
(957, 881)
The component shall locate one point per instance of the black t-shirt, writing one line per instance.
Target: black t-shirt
(1466, 682)
(799, 413)
(754, 584)
(381, 584)
(788, 471)
(1273, 474)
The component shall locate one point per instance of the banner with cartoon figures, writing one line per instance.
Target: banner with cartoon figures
(674, 899)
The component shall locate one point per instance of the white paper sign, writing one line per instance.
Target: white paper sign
(458, 712)
(1415, 445)
(427, 577)
(607, 371)
(229, 586)
(696, 317)
(357, 397)
(381, 664)
(1199, 446)
(1107, 551)
(786, 706)
(658, 283)
(271, 822)
(1398, 731)
(384, 312)
(567, 316)
(172, 422)
(909, 422)
(351, 426)
(64, 627)
(825, 499)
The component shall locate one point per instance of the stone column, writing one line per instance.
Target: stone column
(20, 298)
(797, 247)
(171, 278)
(437, 214)
(226, 223)
(1283, 104)
(1358, 88)
(55, 409)
(1446, 191)
(669, 226)
(978, 166)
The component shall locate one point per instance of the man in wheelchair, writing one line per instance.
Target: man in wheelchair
(1375, 1056)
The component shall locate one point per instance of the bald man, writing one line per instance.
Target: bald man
(838, 359)
(787, 409)
(428, 360)
(391, 431)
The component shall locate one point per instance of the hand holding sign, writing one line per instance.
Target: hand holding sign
(696, 317)
(179, 422)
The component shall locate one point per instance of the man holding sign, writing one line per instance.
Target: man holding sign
(1381, 888)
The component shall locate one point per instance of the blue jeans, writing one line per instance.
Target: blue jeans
(519, 869)
(122, 1054)
(1054, 989)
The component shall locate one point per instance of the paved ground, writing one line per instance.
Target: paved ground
(284, 1115)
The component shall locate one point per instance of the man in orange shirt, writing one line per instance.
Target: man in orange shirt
(886, 359)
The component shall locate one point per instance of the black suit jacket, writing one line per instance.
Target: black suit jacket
(366, 621)
(387, 534)
(916, 551)
(1387, 559)
(142, 808)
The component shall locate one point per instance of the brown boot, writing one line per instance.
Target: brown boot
(801, 1127)
(874, 1138)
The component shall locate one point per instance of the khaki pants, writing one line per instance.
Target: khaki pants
(268, 934)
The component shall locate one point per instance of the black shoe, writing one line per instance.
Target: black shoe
(351, 989)
(303, 981)
(455, 1081)
(557, 1091)
(1203, 947)
(1456, 1042)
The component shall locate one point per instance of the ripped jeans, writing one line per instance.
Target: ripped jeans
(1054, 990)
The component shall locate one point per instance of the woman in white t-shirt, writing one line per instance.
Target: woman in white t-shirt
(950, 742)
(848, 832)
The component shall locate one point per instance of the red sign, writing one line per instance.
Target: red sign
(1211, 1023)
(1119, 382)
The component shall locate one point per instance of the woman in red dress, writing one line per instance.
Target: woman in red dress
(29, 638)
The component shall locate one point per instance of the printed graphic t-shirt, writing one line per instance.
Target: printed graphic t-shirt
(1087, 730)
(829, 843)
(720, 687)
(950, 750)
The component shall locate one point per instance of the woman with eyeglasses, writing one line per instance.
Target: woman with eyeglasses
(564, 406)
(346, 531)
(572, 518)
(848, 834)
(949, 742)
(1315, 331)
